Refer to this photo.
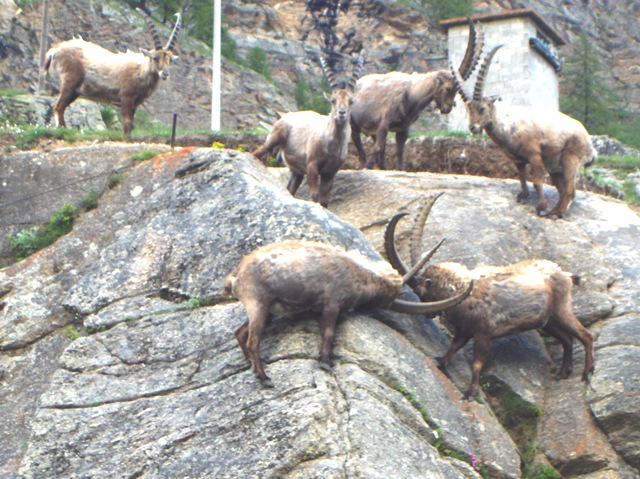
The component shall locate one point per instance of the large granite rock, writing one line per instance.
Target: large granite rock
(156, 386)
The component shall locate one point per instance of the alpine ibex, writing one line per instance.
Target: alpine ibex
(540, 137)
(295, 276)
(122, 79)
(393, 102)
(505, 300)
(315, 144)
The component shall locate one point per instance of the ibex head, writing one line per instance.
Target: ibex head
(341, 92)
(446, 92)
(161, 56)
(479, 109)
(412, 276)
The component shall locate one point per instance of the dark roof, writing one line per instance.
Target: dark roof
(518, 12)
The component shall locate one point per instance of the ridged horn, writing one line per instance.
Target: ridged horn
(152, 29)
(482, 74)
(474, 51)
(390, 246)
(357, 71)
(461, 86)
(409, 307)
(415, 240)
(418, 266)
(328, 72)
(174, 33)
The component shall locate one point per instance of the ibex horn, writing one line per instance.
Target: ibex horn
(477, 91)
(357, 71)
(390, 246)
(174, 33)
(415, 240)
(409, 307)
(328, 72)
(474, 51)
(152, 29)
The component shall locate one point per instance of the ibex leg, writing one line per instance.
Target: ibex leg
(401, 139)
(357, 141)
(66, 98)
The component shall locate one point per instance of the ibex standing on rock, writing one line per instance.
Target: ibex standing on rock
(540, 137)
(123, 79)
(393, 102)
(505, 300)
(295, 276)
(313, 144)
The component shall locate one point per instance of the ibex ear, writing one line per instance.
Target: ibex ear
(146, 53)
(324, 93)
(494, 99)
(174, 58)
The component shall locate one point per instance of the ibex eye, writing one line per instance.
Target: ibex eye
(427, 282)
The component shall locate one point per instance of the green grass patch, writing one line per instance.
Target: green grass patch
(31, 240)
(10, 92)
(146, 155)
(627, 163)
(519, 417)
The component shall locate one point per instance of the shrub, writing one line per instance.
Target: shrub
(31, 240)
(257, 61)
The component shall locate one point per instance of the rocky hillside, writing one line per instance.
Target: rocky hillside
(118, 358)
(399, 38)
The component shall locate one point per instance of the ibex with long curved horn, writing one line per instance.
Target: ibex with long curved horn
(543, 138)
(312, 144)
(394, 101)
(122, 79)
(296, 276)
(505, 300)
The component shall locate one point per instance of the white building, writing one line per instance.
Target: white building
(523, 71)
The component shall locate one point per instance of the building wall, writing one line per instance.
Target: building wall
(518, 74)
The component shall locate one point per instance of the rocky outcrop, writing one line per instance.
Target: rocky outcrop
(156, 385)
(398, 38)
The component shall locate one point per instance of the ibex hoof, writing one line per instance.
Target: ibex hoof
(266, 382)
(325, 366)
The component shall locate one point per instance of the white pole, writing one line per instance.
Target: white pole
(216, 77)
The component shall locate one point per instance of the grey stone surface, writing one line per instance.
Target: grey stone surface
(157, 387)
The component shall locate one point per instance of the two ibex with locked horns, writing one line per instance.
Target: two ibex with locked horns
(295, 276)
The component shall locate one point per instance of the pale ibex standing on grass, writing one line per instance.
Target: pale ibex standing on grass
(122, 79)
(313, 144)
(295, 276)
(393, 102)
(505, 300)
(540, 137)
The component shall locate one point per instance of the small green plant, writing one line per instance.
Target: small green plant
(540, 472)
(30, 240)
(195, 302)
(90, 200)
(217, 145)
(114, 180)
(257, 61)
(305, 100)
(228, 47)
(146, 155)
(109, 115)
(72, 333)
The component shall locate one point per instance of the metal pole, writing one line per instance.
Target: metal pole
(173, 129)
(216, 77)
(43, 44)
